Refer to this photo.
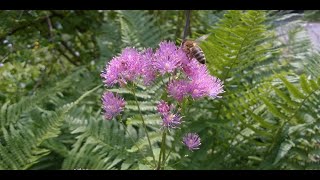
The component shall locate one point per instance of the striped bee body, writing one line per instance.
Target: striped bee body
(193, 50)
(198, 54)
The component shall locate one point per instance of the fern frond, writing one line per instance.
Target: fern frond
(139, 29)
(20, 146)
(237, 44)
(102, 145)
(10, 114)
(294, 110)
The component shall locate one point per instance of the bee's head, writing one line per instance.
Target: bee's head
(187, 43)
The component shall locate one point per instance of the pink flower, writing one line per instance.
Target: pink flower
(201, 83)
(163, 108)
(148, 73)
(178, 89)
(205, 86)
(171, 120)
(194, 69)
(192, 141)
(215, 87)
(112, 105)
(168, 58)
(126, 67)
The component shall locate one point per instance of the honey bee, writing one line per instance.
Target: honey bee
(193, 50)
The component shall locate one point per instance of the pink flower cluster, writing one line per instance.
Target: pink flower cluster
(169, 119)
(188, 78)
(172, 120)
(168, 58)
(199, 83)
(124, 68)
(112, 105)
(131, 64)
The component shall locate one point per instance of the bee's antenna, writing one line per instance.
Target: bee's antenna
(186, 27)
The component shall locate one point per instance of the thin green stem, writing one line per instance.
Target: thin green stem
(163, 148)
(162, 151)
(144, 124)
(159, 161)
(168, 155)
(133, 141)
(179, 160)
(82, 97)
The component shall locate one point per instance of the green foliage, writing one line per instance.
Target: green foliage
(238, 44)
(20, 142)
(101, 145)
(291, 118)
(313, 64)
(139, 29)
(259, 112)
(50, 90)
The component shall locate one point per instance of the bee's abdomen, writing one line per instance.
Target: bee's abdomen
(199, 55)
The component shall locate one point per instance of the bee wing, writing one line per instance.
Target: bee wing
(202, 38)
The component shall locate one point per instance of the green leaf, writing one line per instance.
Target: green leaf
(292, 89)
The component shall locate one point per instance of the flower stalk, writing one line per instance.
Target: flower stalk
(144, 124)
(162, 151)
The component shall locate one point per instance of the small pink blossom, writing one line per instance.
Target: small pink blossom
(112, 105)
(148, 73)
(168, 58)
(163, 108)
(192, 141)
(171, 120)
(121, 69)
(178, 89)
(201, 83)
